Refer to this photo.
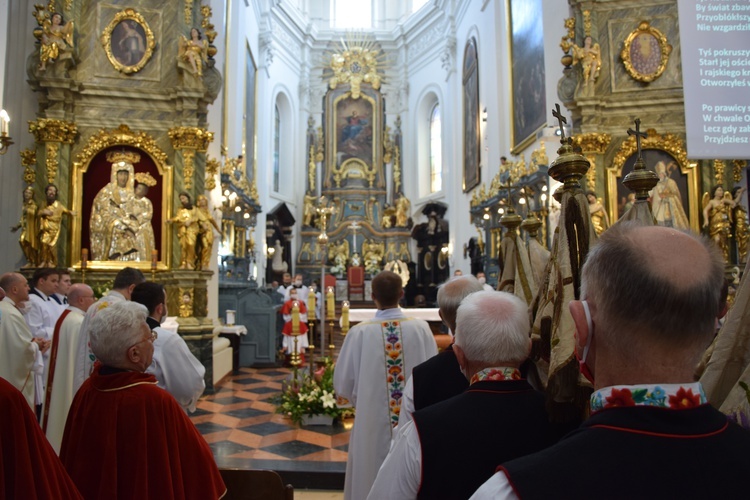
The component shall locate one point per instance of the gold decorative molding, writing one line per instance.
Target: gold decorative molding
(212, 168)
(587, 23)
(188, 12)
(190, 138)
(591, 174)
(51, 130)
(593, 142)
(121, 136)
(387, 145)
(149, 43)
(397, 169)
(719, 169)
(357, 63)
(669, 143)
(644, 70)
(311, 171)
(737, 166)
(319, 145)
(28, 160)
(52, 150)
(188, 168)
(186, 302)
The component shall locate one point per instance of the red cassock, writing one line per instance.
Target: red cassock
(127, 438)
(287, 309)
(29, 467)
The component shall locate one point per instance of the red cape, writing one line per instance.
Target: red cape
(29, 467)
(127, 438)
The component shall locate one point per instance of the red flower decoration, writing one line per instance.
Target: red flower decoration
(684, 399)
(620, 398)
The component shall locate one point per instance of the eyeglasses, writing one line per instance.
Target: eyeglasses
(151, 338)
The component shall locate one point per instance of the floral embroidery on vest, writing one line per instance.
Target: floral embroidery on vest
(673, 396)
(499, 373)
(394, 367)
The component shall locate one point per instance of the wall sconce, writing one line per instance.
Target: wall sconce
(484, 115)
(270, 252)
(5, 140)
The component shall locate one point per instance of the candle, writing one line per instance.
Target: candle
(345, 315)
(330, 308)
(84, 257)
(311, 306)
(295, 318)
(4, 120)
(154, 258)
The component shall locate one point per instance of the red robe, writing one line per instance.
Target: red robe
(127, 438)
(29, 468)
(287, 309)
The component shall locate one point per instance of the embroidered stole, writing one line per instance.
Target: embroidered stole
(394, 367)
(52, 363)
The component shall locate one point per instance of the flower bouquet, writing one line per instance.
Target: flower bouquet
(312, 395)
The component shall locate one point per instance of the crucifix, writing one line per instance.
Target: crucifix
(354, 227)
(561, 120)
(638, 134)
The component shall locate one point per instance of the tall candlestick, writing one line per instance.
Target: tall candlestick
(4, 120)
(311, 306)
(330, 306)
(295, 318)
(84, 257)
(345, 316)
(154, 258)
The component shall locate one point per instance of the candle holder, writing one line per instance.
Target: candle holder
(311, 346)
(5, 140)
(295, 361)
(84, 264)
(331, 346)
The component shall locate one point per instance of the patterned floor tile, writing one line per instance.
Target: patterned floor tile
(266, 428)
(293, 449)
(227, 448)
(209, 427)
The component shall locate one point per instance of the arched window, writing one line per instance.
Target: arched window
(276, 147)
(351, 14)
(436, 150)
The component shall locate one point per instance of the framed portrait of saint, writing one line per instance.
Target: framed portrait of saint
(674, 199)
(471, 116)
(645, 53)
(128, 41)
(527, 72)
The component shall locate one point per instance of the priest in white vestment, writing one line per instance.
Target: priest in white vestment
(59, 392)
(18, 348)
(371, 371)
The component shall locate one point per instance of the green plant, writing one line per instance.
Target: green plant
(310, 395)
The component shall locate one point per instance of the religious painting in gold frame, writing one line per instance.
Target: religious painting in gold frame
(353, 129)
(128, 41)
(472, 146)
(678, 178)
(528, 95)
(124, 139)
(645, 53)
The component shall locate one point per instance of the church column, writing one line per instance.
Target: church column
(187, 294)
(53, 160)
(593, 147)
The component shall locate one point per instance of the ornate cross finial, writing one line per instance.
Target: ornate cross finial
(638, 134)
(561, 120)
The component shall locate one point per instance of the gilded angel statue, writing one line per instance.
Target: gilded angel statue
(193, 53)
(717, 218)
(57, 40)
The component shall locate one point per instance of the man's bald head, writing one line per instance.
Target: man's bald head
(653, 284)
(81, 296)
(451, 293)
(16, 287)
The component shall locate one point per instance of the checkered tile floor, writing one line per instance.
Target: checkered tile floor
(241, 426)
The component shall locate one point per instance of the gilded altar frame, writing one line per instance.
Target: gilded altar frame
(672, 146)
(109, 37)
(101, 140)
(648, 69)
(371, 169)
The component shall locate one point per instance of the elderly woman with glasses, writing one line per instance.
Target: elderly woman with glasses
(126, 437)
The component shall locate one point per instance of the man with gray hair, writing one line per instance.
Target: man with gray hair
(125, 281)
(499, 414)
(440, 377)
(648, 309)
(125, 437)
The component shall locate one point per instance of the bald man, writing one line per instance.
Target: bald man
(648, 308)
(59, 392)
(18, 348)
